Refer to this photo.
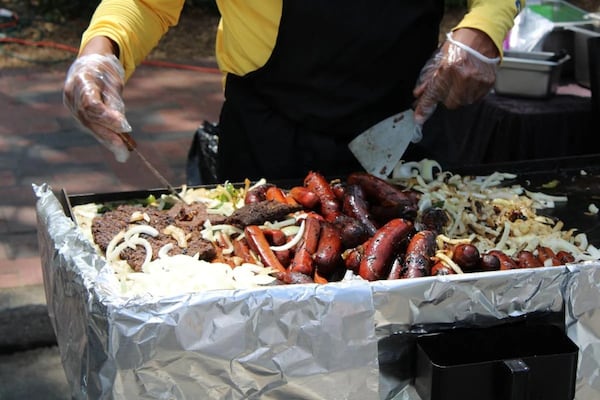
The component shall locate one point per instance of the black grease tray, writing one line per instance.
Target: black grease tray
(499, 363)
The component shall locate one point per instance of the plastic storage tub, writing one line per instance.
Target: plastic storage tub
(514, 362)
(529, 74)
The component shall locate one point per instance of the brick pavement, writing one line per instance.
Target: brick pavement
(41, 143)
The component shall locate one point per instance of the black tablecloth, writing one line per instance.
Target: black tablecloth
(501, 129)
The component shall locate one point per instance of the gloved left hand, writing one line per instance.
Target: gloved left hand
(457, 74)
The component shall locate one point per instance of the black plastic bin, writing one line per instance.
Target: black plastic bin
(504, 362)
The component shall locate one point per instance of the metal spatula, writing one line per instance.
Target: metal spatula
(381, 147)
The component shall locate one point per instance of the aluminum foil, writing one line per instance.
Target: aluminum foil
(345, 340)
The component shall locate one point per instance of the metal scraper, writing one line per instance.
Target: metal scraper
(381, 147)
(132, 146)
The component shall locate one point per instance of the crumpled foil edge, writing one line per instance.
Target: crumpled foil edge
(302, 341)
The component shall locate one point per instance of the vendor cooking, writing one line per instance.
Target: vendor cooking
(302, 77)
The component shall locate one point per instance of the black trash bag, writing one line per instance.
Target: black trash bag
(201, 166)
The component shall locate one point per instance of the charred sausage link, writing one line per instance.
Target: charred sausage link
(466, 256)
(276, 237)
(352, 230)
(526, 259)
(258, 242)
(242, 250)
(257, 194)
(339, 189)
(547, 256)
(565, 257)
(329, 250)
(420, 249)
(276, 194)
(291, 277)
(439, 268)
(385, 193)
(489, 262)
(352, 258)
(503, 259)
(355, 205)
(303, 261)
(330, 206)
(396, 270)
(381, 249)
(304, 197)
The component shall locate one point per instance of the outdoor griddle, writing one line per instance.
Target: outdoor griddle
(355, 339)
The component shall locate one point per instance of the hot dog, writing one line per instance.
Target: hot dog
(420, 249)
(303, 261)
(385, 193)
(330, 206)
(547, 256)
(565, 257)
(505, 261)
(257, 194)
(304, 197)
(291, 277)
(489, 262)
(258, 242)
(352, 258)
(275, 194)
(381, 249)
(439, 268)
(242, 250)
(329, 250)
(353, 232)
(466, 256)
(526, 259)
(396, 270)
(355, 205)
(276, 237)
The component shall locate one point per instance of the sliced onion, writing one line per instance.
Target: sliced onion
(292, 242)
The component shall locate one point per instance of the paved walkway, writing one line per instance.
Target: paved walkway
(41, 143)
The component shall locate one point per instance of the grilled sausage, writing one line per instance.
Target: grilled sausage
(339, 189)
(489, 262)
(547, 256)
(242, 250)
(505, 261)
(276, 194)
(303, 261)
(420, 249)
(257, 194)
(439, 268)
(352, 258)
(291, 277)
(352, 230)
(381, 249)
(565, 257)
(304, 197)
(385, 193)
(396, 270)
(526, 259)
(329, 250)
(355, 205)
(466, 256)
(276, 237)
(258, 242)
(330, 206)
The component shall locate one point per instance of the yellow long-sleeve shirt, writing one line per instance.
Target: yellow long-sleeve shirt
(248, 29)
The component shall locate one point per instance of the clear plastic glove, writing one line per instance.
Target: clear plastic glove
(92, 92)
(456, 75)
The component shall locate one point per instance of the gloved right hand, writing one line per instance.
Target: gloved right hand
(93, 93)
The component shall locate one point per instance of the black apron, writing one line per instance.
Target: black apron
(337, 68)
